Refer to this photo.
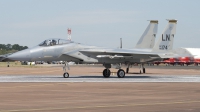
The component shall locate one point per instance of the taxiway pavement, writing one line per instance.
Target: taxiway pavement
(86, 90)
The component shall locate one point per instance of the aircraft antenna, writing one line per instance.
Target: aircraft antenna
(120, 43)
(69, 34)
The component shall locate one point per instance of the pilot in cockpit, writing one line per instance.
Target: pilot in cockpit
(53, 42)
(48, 42)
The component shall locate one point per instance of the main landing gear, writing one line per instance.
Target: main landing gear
(120, 73)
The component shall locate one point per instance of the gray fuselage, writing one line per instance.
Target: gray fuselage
(72, 52)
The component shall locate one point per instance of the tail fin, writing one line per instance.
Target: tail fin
(166, 40)
(147, 39)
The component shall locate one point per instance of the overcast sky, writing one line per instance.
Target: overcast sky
(96, 22)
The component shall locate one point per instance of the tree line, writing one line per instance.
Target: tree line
(8, 48)
(12, 47)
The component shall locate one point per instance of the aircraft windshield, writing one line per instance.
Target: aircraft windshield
(52, 42)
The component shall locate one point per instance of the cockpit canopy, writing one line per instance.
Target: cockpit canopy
(52, 42)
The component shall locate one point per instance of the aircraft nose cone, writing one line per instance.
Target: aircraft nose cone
(23, 55)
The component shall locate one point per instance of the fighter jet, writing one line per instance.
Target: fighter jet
(66, 50)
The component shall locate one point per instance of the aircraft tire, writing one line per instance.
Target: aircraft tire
(120, 73)
(66, 75)
(106, 73)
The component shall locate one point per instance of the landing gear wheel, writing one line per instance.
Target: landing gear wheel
(144, 71)
(66, 75)
(127, 70)
(121, 73)
(106, 73)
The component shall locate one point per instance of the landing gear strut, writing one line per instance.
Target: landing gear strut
(142, 69)
(127, 70)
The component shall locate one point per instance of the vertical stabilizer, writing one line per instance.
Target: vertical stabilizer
(147, 39)
(166, 40)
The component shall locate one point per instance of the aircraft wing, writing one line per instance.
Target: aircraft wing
(120, 53)
(114, 53)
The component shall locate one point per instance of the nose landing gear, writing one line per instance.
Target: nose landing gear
(66, 74)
